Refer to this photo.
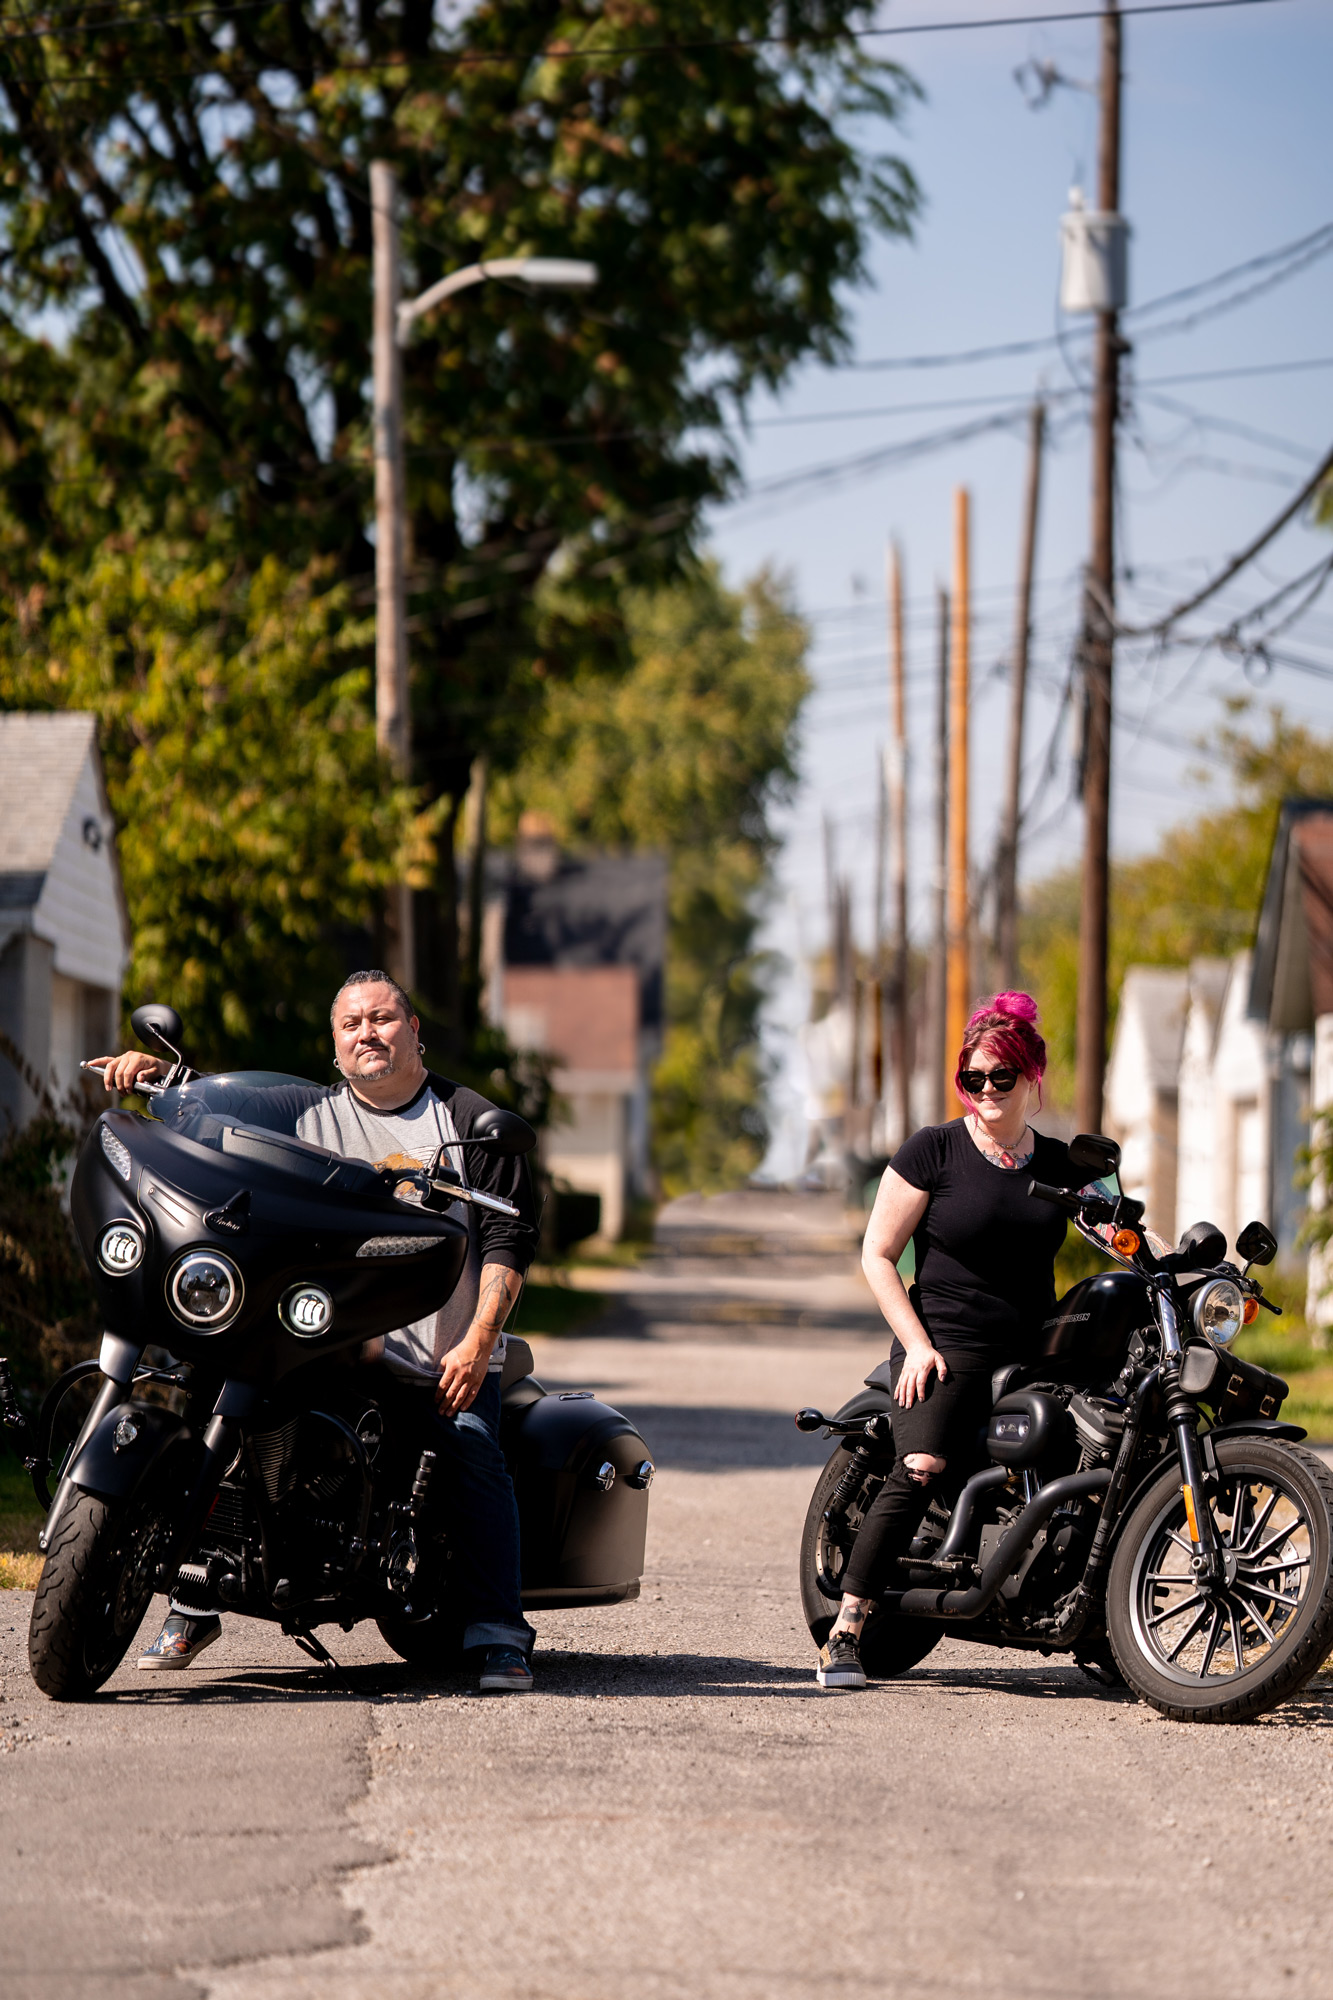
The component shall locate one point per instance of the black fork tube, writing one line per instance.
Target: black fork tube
(222, 1440)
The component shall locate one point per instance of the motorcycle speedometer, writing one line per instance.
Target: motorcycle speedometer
(1219, 1311)
(205, 1290)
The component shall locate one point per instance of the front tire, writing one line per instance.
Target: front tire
(889, 1646)
(96, 1584)
(1234, 1651)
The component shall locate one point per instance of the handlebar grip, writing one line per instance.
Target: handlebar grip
(1040, 1191)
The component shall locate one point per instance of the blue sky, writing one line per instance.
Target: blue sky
(1228, 151)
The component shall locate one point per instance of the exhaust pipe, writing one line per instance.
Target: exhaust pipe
(925, 1603)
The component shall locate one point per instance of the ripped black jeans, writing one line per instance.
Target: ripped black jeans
(943, 1424)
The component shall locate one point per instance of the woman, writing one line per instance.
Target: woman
(985, 1280)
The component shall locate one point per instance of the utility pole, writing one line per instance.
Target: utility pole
(878, 980)
(1006, 871)
(896, 772)
(393, 720)
(959, 693)
(1098, 646)
(937, 1008)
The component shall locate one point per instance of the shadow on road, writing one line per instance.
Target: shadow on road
(719, 1439)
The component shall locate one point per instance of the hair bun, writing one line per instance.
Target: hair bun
(1019, 1006)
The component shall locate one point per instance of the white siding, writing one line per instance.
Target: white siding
(80, 910)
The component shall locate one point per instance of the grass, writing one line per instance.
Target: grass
(556, 1310)
(20, 1520)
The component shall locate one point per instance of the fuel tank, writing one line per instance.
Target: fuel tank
(1087, 1337)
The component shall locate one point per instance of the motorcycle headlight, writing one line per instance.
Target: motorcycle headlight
(205, 1290)
(1219, 1311)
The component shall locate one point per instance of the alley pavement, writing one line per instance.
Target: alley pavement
(678, 1811)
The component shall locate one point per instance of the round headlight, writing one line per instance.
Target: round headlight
(205, 1290)
(308, 1310)
(1219, 1311)
(120, 1248)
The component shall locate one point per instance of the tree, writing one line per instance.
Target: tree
(189, 192)
(1197, 894)
(255, 822)
(687, 753)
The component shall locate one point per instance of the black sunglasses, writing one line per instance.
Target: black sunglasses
(1001, 1081)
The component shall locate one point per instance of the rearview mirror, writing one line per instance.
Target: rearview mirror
(1094, 1155)
(504, 1132)
(159, 1024)
(1257, 1243)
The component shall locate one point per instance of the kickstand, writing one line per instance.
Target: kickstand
(316, 1649)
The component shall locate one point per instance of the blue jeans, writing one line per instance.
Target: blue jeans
(475, 1495)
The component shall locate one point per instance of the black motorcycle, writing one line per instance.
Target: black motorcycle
(236, 1452)
(1141, 1505)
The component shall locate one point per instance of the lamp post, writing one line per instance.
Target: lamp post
(392, 322)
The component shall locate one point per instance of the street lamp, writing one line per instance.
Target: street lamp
(392, 323)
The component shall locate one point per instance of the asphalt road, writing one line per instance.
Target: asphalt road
(678, 1811)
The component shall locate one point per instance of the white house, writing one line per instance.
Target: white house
(1143, 1085)
(64, 928)
(1223, 1171)
(1291, 999)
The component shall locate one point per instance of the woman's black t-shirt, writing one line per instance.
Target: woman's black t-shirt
(985, 1250)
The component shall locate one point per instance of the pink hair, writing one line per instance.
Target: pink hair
(1006, 1026)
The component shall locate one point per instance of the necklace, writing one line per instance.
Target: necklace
(1010, 1158)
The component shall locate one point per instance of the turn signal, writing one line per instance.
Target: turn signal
(1251, 1312)
(1126, 1242)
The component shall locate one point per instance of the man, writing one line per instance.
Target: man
(391, 1111)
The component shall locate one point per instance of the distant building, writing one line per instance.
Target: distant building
(64, 929)
(1187, 1097)
(1291, 997)
(574, 957)
(1143, 1087)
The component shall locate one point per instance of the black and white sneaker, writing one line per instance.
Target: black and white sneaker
(840, 1663)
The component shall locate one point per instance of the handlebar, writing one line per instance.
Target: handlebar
(1064, 1198)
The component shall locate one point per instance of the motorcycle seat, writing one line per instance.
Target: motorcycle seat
(1006, 1378)
(518, 1362)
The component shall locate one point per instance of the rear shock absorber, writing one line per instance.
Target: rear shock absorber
(416, 1505)
(878, 1429)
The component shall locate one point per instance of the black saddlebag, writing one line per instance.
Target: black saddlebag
(1235, 1389)
(581, 1472)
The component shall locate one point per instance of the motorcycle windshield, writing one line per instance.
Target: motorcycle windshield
(257, 1097)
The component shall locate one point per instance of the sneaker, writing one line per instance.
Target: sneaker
(505, 1671)
(840, 1663)
(180, 1641)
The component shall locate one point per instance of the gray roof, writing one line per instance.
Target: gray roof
(1158, 994)
(596, 909)
(41, 757)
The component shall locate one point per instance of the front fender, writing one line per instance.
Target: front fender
(1260, 1427)
(112, 1470)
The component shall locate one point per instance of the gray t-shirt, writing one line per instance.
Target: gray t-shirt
(407, 1138)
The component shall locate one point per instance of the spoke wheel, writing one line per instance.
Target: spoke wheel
(889, 1646)
(1234, 1647)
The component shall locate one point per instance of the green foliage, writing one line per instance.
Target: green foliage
(257, 822)
(1198, 893)
(47, 1314)
(686, 753)
(190, 193)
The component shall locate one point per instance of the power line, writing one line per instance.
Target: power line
(1314, 244)
(743, 44)
(1160, 626)
(81, 30)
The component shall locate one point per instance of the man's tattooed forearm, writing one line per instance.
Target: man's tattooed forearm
(499, 1289)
